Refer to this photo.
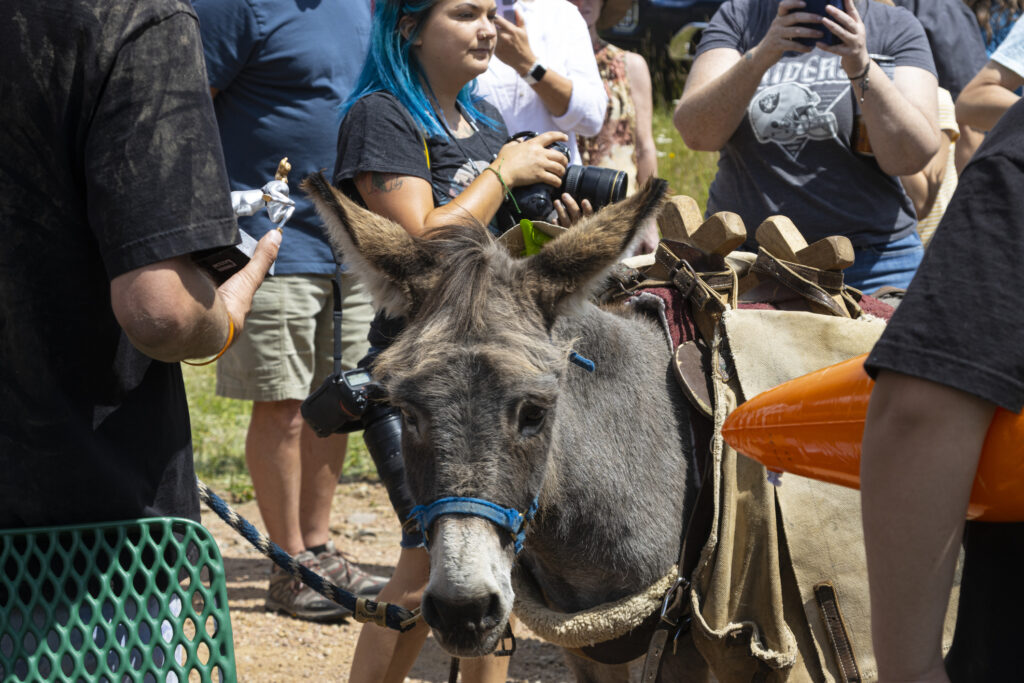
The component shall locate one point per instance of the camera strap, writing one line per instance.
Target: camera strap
(336, 286)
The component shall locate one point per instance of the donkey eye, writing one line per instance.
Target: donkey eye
(531, 418)
(409, 418)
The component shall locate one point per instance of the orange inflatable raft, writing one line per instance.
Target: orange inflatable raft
(812, 426)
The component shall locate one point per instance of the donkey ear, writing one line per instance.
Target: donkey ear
(379, 251)
(564, 272)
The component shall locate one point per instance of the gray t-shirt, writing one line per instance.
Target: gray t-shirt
(792, 152)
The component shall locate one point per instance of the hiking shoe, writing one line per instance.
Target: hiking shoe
(289, 595)
(347, 574)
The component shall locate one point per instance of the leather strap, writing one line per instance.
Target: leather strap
(674, 619)
(692, 374)
(626, 647)
(652, 663)
(787, 274)
(828, 603)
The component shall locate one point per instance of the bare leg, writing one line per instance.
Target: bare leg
(383, 654)
(921, 446)
(387, 656)
(322, 460)
(273, 455)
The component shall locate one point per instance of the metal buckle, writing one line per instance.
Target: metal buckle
(506, 651)
(683, 264)
(670, 598)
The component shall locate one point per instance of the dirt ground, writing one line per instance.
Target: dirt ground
(271, 647)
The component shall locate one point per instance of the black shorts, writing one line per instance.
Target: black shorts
(961, 324)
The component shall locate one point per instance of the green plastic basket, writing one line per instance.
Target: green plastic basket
(142, 600)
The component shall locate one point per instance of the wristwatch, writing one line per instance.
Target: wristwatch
(535, 74)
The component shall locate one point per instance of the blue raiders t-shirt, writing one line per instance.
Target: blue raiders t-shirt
(792, 153)
(282, 69)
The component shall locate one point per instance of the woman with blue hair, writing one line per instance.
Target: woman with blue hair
(418, 147)
(415, 144)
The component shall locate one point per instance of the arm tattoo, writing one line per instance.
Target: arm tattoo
(384, 183)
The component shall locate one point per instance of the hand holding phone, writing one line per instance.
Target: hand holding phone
(507, 9)
(818, 7)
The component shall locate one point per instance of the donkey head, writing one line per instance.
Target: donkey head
(476, 373)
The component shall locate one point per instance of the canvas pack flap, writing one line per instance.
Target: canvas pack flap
(754, 588)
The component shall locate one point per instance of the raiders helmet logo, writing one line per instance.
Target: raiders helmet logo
(769, 102)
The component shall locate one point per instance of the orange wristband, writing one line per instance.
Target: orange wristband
(231, 338)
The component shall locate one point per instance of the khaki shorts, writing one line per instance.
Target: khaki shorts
(286, 348)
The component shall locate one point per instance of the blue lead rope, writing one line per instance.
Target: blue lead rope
(509, 519)
(395, 616)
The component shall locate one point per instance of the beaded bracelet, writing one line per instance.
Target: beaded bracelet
(231, 338)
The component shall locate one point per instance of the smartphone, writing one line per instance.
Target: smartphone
(818, 7)
(507, 9)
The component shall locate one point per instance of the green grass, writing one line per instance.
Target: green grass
(219, 424)
(686, 171)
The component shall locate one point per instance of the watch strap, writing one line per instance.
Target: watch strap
(535, 74)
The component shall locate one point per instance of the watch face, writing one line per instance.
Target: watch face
(538, 72)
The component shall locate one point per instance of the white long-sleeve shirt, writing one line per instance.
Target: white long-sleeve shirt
(1010, 52)
(561, 41)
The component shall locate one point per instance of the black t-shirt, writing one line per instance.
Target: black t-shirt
(960, 324)
(379, 135)
(111, 161)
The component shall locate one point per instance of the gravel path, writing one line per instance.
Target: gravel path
(271, 647)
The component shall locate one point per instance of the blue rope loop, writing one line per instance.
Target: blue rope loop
(581, 361)
(397, 617)
(509, 519)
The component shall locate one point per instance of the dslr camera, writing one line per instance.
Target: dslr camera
(601, 186)
(349, 401)
(337, 406)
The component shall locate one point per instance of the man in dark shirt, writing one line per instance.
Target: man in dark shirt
(951, 354)
(112, 175)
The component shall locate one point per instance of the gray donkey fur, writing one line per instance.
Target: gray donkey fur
(493, 409)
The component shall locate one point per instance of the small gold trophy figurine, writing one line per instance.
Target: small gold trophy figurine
(283, 169)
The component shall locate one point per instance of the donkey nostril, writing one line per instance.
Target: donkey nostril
(492, 616)
(431, 614)
(474, 616)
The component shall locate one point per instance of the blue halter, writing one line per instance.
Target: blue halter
(509, 519)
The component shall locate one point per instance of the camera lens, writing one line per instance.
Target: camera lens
(602, 186)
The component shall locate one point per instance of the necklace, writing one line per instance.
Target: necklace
(476, 131)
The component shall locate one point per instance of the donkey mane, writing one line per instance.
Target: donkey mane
(464, 253)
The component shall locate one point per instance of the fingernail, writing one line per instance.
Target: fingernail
(276, 235)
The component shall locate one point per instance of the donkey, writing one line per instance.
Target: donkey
(495, 413)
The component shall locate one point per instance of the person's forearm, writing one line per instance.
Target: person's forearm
(902, 138)
(920, 451)
(478, 203)
(970, 139)
(983, 105)
(555, 91)
(171, 311)
(923, 187)
(646, 162)
(708, 116)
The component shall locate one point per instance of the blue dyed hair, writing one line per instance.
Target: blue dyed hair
(392, 67)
